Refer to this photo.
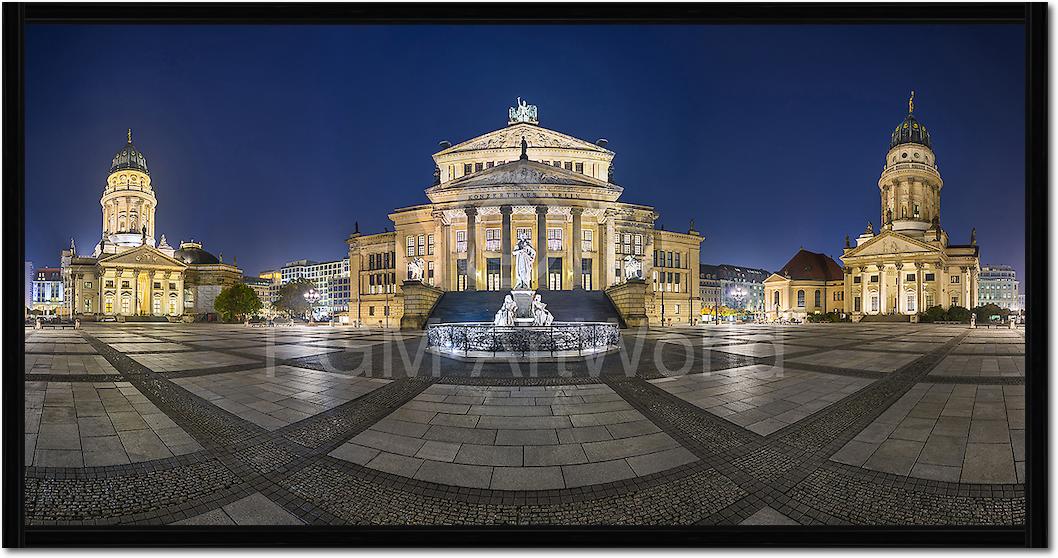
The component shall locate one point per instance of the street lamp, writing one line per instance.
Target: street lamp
(312, 297)
(739, 294)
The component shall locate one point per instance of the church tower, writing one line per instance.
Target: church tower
(910, 182)
(128, 201)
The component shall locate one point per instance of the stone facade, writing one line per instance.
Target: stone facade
(522, 180)
(128, 274)
(909, 264)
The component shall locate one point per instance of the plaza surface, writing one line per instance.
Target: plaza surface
(837, 424)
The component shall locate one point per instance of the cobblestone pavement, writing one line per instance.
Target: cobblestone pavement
(837, 424)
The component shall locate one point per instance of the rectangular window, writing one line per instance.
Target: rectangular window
(489, 165)
(467, 168)
(910, 277)
(627, 248)
(88, 284)
(587, 240)
(411, 246)
(157, 284)
(524, 232)
(111, 284)
(580, 168)
(429, 272)
(856, 304)
(478, 167)
(429, 244)
(370, 310)
(461, 241)
(639, 244)
(492, 274)
(669, 260)
(554, 239)
(172, 286)
(461, 275)
(422, 244)
(677, 259)
(492, 240)
(124, 284)
(954, 279)
(856, 279)
(585, 273)
(954, 301)
(676, 284)
(554, 274)
(558, 164)
(874, 278)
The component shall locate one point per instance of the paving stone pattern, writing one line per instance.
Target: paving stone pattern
(837, 424)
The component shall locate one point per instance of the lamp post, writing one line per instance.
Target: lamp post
(739, 294)
(312, 296)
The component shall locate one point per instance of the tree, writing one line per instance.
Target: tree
(292, 297)
(958, 314)
(237, 301)
(932, 314)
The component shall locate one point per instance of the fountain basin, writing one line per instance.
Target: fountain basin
(476, 340)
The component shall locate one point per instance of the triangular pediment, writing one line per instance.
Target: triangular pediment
(511, 137)
(141, 256)
(889, 242)
(775, 278)
(523, 173)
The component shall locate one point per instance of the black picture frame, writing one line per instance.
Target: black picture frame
(1031, 15)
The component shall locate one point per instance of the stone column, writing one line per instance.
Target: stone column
(135, 308)
(446, 259)
(864, 278)
(846, 292)
(881, 289)
(576, 248)
(966, 287)
(918, 288)
(603, 251)
(541, 247)
(899, 288)
(472, 248)
(150, 293)
(505, 247)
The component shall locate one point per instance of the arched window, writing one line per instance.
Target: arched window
(776, 298)
(800, 299)
(818, 298)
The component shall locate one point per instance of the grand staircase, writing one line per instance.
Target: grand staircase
(565, 306)
(888, 318)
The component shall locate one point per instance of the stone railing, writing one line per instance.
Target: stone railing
(468, 339)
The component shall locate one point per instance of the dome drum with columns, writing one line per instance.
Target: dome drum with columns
(128, 274)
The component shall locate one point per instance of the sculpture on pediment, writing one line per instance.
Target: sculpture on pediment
(416, 269)
(524, 255)
(870, 228)
(973, 236)
(633, 268)
(522, 112)
(847, 245)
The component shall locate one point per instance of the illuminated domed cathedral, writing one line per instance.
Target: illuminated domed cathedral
(128, 273)
(906, 264)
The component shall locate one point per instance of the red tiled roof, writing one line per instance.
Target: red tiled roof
(807, 265)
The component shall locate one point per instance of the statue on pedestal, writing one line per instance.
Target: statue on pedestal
(416, 269)
(525, 255)
(541, 315)
(505, 315)
(633, 268)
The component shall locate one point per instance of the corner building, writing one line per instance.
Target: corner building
(524, 180)
(909, 264)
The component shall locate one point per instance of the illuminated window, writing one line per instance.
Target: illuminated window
(586, 240)
(410, 246)
(800, 299)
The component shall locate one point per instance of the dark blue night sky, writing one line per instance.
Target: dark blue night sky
(267, 143)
